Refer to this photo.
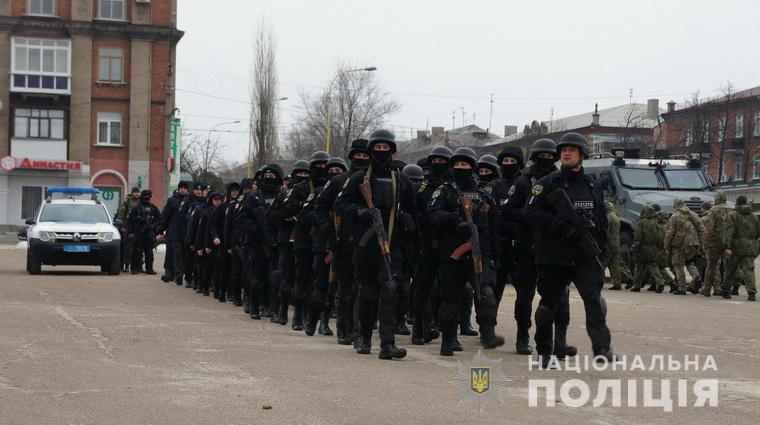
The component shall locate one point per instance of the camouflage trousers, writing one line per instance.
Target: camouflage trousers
(648, 272)
(681, 258)
(741, 269)
(613, 261)
(712, 278)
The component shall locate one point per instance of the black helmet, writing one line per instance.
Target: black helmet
(440, 152)
(276, 169)
(382, 135)
(317, 157)
(423, 163)
(397, 164)
(146, 194)
(414, 172)
(543, 145)
(337, 161)
(259, 173)
(513, 152)
(467, 155)
(358, 145)
(489, 161)
(574, 139)
(300, 165)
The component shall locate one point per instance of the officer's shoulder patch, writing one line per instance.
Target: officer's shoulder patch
(437, 193)
(326, 185)
(512, 190)
(537, 189)
(346, 183)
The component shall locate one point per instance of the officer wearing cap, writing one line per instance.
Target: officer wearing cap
(142, 220)
(174, 223)
(195, 199)
(339, 232)
(391, 195)
(447, 213)
(206, 243)
(560, 254)
(234, 242)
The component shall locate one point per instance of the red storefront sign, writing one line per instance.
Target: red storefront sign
(42, 164)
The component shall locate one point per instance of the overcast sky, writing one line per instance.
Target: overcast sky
(439, 56)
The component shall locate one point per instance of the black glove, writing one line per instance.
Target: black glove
(464, 229)
(364, 214)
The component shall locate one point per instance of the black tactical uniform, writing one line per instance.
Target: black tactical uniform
(391, 195)
(339, 231)
(204, 245)
(187, 210)
(560, 254)
(447, 213)
(223, 259)
(142, 221)
(174, 224)
(235, 243)
(427, 265)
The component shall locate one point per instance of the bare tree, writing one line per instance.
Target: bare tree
(263, 95)
(632, 121)
(200, 157)
(357, 103)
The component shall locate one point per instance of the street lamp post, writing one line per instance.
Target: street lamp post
(208, 140)
(328, 130)
(250, 142)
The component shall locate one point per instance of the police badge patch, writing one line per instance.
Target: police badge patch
(437, 193)
(512, 190)
(537, 189)
(481, 381)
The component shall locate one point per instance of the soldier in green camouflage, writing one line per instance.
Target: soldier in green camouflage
(647, 245)
(718, 233)
(612, 260)
(683, 241)
(743, 250)
(662, 260)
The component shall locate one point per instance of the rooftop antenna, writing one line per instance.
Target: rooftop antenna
(490, 116)
(630, 95)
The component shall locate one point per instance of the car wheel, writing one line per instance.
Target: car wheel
(114, 268)
(33, 263)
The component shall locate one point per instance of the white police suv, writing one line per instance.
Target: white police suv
(74, 229)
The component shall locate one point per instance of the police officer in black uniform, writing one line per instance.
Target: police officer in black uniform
(391, 195)
(235, 244)
(223, 259)
(194, 201)
(488, 170)
(341, 243)
(142, 221)
(560, 255)
(207, 242)
(174, 224)
(425, 307)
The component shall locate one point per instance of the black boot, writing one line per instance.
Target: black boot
(735, 290)
(255, 313)
(297, 324)
(188, 283)
(237, 301)
(561, 349)
(166, 278)
(466, 329)
(490, 339)
(390, 351)
(247, 303)
(178, 281)
(448, 331)
(324, 324)
(522, 345)
(751, 297)
(615, 287)
(310, 322)
(282, 315)
(418, 330)
(673, 286)
(401, 328)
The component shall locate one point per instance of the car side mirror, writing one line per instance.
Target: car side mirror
(118, 222)
(30, 221)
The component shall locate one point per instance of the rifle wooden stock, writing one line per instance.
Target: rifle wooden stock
(461, 250)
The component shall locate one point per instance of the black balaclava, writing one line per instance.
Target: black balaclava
(509, 170)
(439, 170)
(462, 175)
(319, 175)
(359, 164)
(382, 158)
(544, 163)
(271, 184)
(487, 178)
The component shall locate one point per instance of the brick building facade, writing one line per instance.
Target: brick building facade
(86, 98)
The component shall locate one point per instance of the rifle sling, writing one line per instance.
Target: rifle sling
(392, 218)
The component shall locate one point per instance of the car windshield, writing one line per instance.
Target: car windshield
(685, 179)
(639, 178)
(74, 213)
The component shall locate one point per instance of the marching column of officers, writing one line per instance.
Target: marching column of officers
(377, 244)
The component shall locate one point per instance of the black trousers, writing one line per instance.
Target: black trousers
(507, 270)
(177, 249)
(304, 260)
(318, 298)
(189, 262)
(287, 266)
(453, 288)
(260, 272)
(424, 283)
(169, 261)
(236, 273)
(223, 263)
(553, 283)
(377, 296)
(525, 286)
(206, 262)
(143, 245)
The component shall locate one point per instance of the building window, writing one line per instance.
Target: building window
(41, 7)
(111, 61)
(739, 168)
(109, 128)
(31, 199)
(38, 63)
(722, 130)
(111, 9)
(706, 133)
(756, 132)
(756, 167)
(739, 129)
(38, 124)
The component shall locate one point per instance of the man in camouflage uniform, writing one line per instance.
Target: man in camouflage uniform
(662, 260)
(683, 240)
(612, 260)
(718, 233)
(744, 249)
(646, 248)
(127, 244)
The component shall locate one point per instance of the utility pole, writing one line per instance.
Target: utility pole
(630, 96)
(462, 116)
(453, 119)
(551, 120)
(490, 115)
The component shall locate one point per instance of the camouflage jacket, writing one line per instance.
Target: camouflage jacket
(744, 241)
(685, 229)
(718, 228)
(648, 242)
(613, 230)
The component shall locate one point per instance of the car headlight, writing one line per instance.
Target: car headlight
(47, 236)
(105, 237)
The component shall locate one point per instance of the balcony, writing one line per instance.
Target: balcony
(40, 149)
(37, 83)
